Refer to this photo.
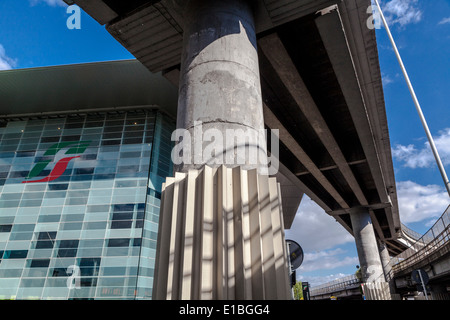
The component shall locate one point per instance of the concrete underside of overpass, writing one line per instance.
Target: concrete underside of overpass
(347, 294)
(437, 267)
(321, 87)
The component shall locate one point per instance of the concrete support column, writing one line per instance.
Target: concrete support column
(387, 267)
(220, 101)
(366, 245)
(385, 259)
(221, 233)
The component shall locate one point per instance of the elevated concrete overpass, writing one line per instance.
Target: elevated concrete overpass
(348, 288)
(430, 252)
(321, 88)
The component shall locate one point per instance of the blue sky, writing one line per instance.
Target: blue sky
(34, 34)
(421, 29)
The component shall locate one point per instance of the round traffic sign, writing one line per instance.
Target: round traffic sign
(295, 254)
(419, 275)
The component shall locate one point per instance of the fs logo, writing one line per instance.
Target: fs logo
(73, 148)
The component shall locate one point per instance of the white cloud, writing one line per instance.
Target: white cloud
(445, 21)
(320, 236)
(386, 79)
(327, 260)
(423, 158)
(6, 63)
(52, 3)
(419, 203)
(315, 230)
(402, 12)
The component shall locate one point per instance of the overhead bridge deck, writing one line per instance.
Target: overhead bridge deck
(321, 88)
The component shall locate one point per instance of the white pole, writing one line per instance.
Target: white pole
(416, 102)
(423, 284)
(288, 247)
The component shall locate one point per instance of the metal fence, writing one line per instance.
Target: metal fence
(335, 286)
(430, 242)
(411, 233)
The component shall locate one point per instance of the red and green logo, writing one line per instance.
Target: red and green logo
(73, 148)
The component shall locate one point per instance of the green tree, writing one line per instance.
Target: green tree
(298, 291)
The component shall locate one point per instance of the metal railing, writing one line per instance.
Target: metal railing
(411, 233)
(430, 242)
(335, 286)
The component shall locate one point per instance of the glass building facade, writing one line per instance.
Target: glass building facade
(79, 204)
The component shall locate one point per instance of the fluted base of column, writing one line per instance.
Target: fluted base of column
(377, 291)
(221, 236)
